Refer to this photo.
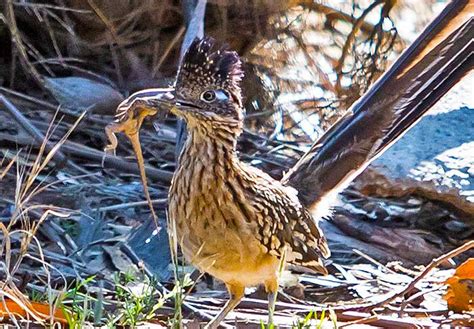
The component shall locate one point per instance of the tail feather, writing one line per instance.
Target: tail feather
(433, 64)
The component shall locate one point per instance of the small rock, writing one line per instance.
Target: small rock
(81, 94)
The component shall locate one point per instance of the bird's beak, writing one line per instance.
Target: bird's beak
(150, 98)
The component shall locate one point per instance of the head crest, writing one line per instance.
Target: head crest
(206, 64)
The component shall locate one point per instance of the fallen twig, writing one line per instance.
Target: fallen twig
(160, 202)
(434, 263)
(16, 38)
(86, 152)
(58, 156)
(38, 137)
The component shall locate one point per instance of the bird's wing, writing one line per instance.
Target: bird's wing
(285, 225)
(438, 59)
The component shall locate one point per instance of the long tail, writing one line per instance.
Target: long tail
(433, 64)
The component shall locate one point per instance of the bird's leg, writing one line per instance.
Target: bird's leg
(236, 292)
(271, 287)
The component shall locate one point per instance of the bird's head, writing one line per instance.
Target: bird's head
(208, 94)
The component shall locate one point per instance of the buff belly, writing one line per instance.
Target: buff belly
(231, 254)
(229, 260)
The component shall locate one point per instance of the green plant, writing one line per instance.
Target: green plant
(76, 304)
(180, 281)
(38, 296)
(138, 298)
(306, 322)
(180, 284)
(71, 227)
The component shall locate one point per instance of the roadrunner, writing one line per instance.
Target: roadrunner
(236, 222)
(233, 221)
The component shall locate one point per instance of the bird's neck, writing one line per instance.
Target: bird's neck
(212, 150)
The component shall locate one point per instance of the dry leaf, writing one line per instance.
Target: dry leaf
(9, 308)
(460, 294)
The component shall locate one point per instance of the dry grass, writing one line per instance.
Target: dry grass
(22, 229)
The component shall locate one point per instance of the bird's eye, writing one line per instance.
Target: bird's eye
(208, 96)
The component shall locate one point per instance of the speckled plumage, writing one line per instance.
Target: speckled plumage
(233, 220)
